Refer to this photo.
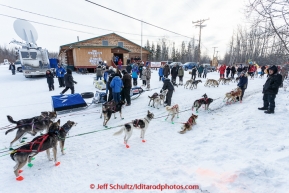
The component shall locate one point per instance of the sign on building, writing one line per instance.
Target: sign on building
(95, 58)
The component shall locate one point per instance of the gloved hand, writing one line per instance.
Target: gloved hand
(75, 82)
(161, 91)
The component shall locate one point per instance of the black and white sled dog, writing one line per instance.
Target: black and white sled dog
(141, 124)
(32, 125)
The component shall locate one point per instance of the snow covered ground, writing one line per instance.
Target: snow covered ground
(233, 149)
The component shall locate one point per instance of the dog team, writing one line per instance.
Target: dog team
(54, 133)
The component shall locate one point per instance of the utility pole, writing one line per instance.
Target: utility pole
(213, 55)
(199, 24)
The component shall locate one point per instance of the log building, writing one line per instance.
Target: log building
(88, 53)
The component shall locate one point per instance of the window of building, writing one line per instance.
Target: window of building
(120, 44)
(104, 42)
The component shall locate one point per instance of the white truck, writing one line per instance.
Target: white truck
(34, 60)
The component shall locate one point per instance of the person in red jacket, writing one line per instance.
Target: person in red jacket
(251, 71)
(222, 70)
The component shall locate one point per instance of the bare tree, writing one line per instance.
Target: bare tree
(275, 15)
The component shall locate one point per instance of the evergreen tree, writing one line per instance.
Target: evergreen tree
(183, 52)
(158, 53)
(189, 53)
(153, 52)
(173, 54)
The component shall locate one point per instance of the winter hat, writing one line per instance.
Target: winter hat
(243, 72)
(114, 69)
(69, 71)
(144, 67)
(274, 68)
(110, 68)
(124, 71)
(163, 78)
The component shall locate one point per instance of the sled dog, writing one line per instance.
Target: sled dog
(41, 143)
(141, 124)
(31, 126)
(206, 101)
(189, 124)
(173, 110)
(110, 107)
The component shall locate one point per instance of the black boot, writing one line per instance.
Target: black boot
(269, 112)
(262, 108)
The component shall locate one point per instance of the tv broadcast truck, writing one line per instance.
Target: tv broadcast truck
(34, 59)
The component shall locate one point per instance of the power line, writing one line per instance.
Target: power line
(45, 24)
(136, 19)
(73, 22)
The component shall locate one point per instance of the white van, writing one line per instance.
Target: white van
(6, 62)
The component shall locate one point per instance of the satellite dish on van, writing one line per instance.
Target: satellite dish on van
(25, 31)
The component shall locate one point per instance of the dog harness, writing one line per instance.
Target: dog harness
(39, 141)
(175, 106)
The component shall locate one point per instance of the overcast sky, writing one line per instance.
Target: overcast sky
(177, 16)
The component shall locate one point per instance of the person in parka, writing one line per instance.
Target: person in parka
(116, 86)
(99, 72)
(143, 76)
(228, 70)
(200, 71)
(148, 75)
(50, 80)
(194, 72)
(60, 71)
(270, 90)
(243, 84)
(233, 71)
(205, 72)
(69, 82)
(168, 85)
(161, 72)
(166, 70)
(181, 75)
(129, 68)
(134, 74)
(174, 73)
(125, 94)
(12, 68)
(112, 73)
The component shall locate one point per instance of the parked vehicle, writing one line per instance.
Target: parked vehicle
(18, 66)
(189, 65)
(211, 68)
(177, 63)
(6, 62)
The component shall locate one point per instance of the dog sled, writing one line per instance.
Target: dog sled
(101, 97)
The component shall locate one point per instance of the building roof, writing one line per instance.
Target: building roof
(75, 43)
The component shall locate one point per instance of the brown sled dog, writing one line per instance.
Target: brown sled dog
(189, 124)
(31, 126)
(41, 143)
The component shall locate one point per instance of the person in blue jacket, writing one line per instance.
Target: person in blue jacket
(243, 83)
(116, 86)
(60, 71)
(134, 75)
(161, 72)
